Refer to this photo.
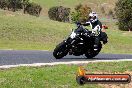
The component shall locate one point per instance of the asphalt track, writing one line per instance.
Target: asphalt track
(16, 57)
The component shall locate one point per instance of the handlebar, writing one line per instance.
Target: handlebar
(78, 23)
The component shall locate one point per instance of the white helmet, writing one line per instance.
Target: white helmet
(93, 16)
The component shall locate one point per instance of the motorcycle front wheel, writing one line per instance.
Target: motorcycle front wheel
(60, 51)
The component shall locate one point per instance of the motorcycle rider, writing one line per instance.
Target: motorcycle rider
(96, 27)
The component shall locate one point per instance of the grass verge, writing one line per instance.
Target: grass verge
(24, 32)
(60, 76)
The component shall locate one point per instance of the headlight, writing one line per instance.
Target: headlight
(73, 35)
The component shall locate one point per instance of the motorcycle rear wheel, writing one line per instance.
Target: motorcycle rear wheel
(60, 51)
(92, 53)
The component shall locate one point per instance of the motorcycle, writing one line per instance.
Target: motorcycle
(80, 42)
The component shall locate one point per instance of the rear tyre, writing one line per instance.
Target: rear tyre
(92, 53)
(60, 51)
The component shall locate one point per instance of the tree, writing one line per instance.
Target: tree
(81, 13)
(59, 13)
(123, 12)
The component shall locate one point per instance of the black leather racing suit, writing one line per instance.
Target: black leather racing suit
(95, 26)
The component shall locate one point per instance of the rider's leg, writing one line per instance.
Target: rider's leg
(96, 30)
(104, 37)
(96, 43)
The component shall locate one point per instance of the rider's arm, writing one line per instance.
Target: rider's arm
(86, 24)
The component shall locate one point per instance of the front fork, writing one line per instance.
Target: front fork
(70, 44)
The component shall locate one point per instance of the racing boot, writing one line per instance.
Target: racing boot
(105, 41)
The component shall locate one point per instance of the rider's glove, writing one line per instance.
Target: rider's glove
(78, 23)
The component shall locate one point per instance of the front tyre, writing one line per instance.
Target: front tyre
(60, 51)
(92, 53)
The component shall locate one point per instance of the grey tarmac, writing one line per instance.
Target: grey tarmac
(16, 57)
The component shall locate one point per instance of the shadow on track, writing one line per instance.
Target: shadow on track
(92, 58)
(101, 57)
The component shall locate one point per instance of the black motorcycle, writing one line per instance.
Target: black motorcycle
(79, 42)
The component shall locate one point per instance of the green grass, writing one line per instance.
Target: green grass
(94, 4)
(60, 76)
(69, 3)
(27, 32)
(24, 32)
(119, 42)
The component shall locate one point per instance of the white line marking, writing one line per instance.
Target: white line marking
(6, 49)
(43, 50)
(58, 63)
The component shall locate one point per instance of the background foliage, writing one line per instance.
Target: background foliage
(124, 14)
(81, 13)
(27, 6)
(59, 13)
